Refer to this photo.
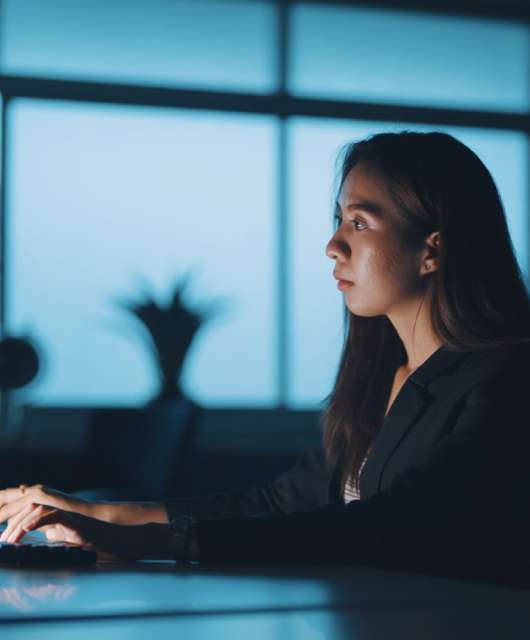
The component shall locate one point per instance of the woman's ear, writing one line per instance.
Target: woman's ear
(431, 256)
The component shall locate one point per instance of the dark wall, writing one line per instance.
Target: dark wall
(146, 453)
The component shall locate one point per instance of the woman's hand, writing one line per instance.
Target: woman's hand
(110, 541)
(15, 502)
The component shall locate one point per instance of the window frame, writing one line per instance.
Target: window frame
(279, 104)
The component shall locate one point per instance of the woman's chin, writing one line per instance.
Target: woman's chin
(362, 310)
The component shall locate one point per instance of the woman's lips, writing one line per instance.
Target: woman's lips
(344, 284)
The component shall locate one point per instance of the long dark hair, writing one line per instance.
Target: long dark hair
(477, 296)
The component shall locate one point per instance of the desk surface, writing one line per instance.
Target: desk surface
(112, 600)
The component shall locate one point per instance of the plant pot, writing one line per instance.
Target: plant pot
(140, 453)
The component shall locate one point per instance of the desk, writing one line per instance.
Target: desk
(159, 600)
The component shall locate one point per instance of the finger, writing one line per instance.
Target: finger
(8, 495)
(70, 534)
(14, 522)
(11, 494)
(37, 494)
(19, 530)
(64, 525)
(24, 492)
(10, 509)
(14, 493)
(59, 533)
(52, 534)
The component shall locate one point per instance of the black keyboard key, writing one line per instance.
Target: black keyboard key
(45, 554)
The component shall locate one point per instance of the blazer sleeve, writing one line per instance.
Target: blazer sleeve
(303, 486)
(459, 506)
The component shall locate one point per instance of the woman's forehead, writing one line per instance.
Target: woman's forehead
(364, 184)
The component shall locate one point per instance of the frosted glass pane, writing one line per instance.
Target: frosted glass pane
(224, 44)
(103, 198)
(402, 57)
(315, 331)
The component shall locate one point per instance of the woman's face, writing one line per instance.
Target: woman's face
(369, 250)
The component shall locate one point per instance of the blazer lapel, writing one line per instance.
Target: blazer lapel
(410, 403)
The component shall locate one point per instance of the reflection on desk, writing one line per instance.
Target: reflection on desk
(139, 599)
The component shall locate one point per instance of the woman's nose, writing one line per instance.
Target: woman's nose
(330, 251)
(336, 249)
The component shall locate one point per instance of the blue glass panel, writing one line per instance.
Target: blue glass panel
(102, 199)
(401, 57)
(315, 331)
(218, 44)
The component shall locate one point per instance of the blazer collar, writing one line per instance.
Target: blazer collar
(436, 364)
(411, 401)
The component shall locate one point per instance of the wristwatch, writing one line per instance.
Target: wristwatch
(182, 530)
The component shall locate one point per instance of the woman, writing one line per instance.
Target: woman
(429, 400)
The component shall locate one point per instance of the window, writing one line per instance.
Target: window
(401, 57)
(102, 195)
(105, 198)
(155, 42)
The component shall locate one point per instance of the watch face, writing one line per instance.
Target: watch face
(180, 528)
(182, 522)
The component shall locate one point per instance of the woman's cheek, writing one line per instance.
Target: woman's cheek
(379, 264)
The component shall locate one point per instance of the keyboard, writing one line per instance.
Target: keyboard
(47, 553)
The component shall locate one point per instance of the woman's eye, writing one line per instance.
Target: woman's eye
(355, 222)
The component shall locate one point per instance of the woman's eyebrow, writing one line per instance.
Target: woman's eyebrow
(365, 205)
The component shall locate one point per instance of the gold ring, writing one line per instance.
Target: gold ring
(22, 488)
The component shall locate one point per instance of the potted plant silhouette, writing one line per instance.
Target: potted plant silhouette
(171, 329)
(149, 450)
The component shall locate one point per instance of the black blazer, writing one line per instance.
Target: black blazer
(446, 486)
